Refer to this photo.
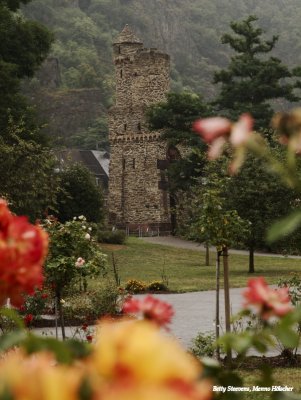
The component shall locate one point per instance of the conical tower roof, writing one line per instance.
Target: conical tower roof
(127, 36)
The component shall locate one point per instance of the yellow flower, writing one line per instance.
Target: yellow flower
(139, 349)
(37, 377)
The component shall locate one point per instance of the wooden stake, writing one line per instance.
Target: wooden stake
(217, 321)
(227, 298)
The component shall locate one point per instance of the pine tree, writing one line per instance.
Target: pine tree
(251, 79)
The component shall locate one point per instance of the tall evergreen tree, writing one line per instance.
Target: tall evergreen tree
(253, 78)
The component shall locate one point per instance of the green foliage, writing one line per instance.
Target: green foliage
(294, 287)
(82, 44)
(94, 304)
(203, 345)
(106, 300)
(212, 221)
(157, 286)
(284, 226)
(68, 242)
(35, 304)
(28, 179)
(79, 195)
(84, 35)
(112, 237)
(23, 47)
(259, 198)
(176, 116)
(252, 80)
(135, 286)
(95, 136)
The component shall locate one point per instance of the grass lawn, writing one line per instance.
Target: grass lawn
(185, 269)
(283, 376)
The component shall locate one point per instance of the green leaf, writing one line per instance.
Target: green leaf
(14, 316)
(242, 343)
(65, 352)
(12, 339)
(284, 226)
(288, 337)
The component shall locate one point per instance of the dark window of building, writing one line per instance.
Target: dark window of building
(134, 163)
(124, 127)
(121, 73)
(119, 49)
(123, 163)
(173, 154)
(139, 126)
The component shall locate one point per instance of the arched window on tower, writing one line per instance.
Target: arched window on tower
(124, 127)
(173, 154)
(121, 73)
(139, 126)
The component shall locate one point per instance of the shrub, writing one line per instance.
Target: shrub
(135, 286)
(92, 305)
(80, 195)
(203, 345)
(35, 304)
(111, 237)
(106, 299)
(69, 243)
(157, 286)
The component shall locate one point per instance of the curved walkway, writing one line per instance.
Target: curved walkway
(195, 312)
(187, 244)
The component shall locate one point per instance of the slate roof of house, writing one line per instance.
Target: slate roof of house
(127, 35)
(103, 158)
(96, 161)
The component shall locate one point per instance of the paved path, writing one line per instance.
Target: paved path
(187, 244)
(195, 312)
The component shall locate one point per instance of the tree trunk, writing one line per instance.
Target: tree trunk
(56, 316)
(207, 259)
(227, 299)
(61, 315)
(251, 260)
(217, 320)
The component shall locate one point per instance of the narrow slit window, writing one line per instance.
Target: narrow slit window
(121, 73)
(134, 163)
(123, 163)
(124, 127)
(119, 50)
(139, 126)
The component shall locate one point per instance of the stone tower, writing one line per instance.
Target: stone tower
(137, 185)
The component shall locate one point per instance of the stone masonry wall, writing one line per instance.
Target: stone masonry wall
(134, 195)
(137, 188)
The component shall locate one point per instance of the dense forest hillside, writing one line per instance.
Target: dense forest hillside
(189, 30)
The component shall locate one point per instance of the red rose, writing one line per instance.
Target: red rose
(151, 308)
(269, 302)
(28, 319)
(23, 248)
